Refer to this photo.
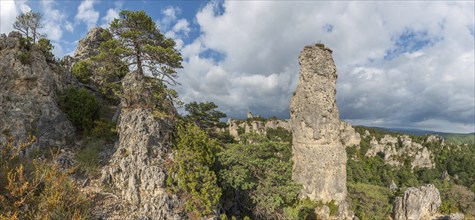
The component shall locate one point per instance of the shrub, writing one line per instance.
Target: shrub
(81, 107)
(45, 46)
(370, 201)
(191, 175)
(257, 174)
(104, 130)
(32, 189)
(24, 57)
(82, 71)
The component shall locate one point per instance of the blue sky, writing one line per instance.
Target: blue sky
(400, 63)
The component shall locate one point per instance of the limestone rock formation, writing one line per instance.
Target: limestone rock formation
(89, 46)
(28, 93)
(417, 203)
(319, 137)
(395, 148)
(255, 124)
(137, 168)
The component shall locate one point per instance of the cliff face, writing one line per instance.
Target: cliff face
(137, 168)
(28, 92)
(319, 137)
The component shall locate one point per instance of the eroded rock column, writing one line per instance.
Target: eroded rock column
(319, 137)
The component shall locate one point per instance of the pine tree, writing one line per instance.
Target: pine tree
(143, 47)
(28, 24)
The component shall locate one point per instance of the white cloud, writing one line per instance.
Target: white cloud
(69, 26)
(170, 15)
(87, 14)
(8, 13)
(246, 59)
(53, 21)
(110, 16)
(182, 25)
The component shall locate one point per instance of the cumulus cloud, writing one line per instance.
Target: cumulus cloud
(110, 16)
(8, 13)
(169, 16)
(87, 14)
(53, 20)
(400, 64)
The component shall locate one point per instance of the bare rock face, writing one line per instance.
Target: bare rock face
(417, 203)
(319, 137)
(89, 46)
(28, 93)
(137, 168)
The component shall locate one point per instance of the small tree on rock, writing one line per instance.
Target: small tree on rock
(143, 47)
(28, 24)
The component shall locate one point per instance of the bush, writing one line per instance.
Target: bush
(191, 175)
(45, 47)
(32, 189)
(257, 175)
(24, 57)
(81, 107)
(82, 71)
(370, 201)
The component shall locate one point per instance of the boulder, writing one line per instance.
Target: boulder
(417, 203)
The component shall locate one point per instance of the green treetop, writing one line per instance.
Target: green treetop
(143, 47)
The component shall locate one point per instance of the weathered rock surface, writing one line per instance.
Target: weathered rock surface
(89, 46)
(395, 148)
(319, 137)
(417, 203)
(253, 124)
(137, 168)
(28, 95)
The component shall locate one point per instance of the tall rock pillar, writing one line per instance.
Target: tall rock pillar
(319, 137)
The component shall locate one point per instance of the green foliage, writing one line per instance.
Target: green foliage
(370, 201)
(191, 175)
(460, 139)
(32, 189)
(82, 71)
(104, 130)
(205, 116)
(88, 157)
(303, 209)
(279, 134)
(257, 175)
(144, 47)
(110, 68)
(81, 107)
(45, 47)
(24, 57)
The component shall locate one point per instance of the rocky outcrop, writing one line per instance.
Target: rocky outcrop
(395, 148)
(89, 46)
(417, 203)
(137, 168)
(255, 124)
(29, 86)
(319, 137)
